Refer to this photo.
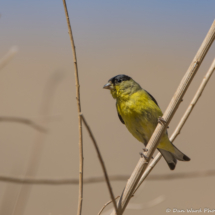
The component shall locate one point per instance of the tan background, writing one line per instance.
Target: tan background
(152, 42)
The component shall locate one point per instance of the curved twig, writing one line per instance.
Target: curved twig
(106, 205)
(38, 145)
(100, 179)
(81, 156)
(23, 121)
(102, 163)
(3, 61)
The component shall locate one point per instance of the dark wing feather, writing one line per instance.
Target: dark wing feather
(152, 98)
(120, 118)
(122, 121)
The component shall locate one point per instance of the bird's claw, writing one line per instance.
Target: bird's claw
(145, 149)
(161, 120)
(143, 156)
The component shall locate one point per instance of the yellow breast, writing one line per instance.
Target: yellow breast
(140, 114)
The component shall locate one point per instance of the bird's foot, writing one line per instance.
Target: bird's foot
(161, 120)
(145, 149)
(143, 156)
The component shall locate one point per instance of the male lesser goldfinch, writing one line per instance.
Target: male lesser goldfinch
(139, 111)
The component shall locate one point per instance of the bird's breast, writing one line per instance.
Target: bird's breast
(132, 112)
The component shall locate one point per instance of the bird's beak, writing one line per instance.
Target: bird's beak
(108, 86)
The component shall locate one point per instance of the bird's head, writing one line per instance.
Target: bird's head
(122, 86)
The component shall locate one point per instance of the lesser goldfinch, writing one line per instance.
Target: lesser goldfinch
(139, 111)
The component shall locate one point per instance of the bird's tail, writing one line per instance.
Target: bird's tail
(171, 158)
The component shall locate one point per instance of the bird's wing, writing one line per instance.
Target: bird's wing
(153, 99)
(120, 118)
(122, 121)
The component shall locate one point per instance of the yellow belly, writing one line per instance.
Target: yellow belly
(141, 117)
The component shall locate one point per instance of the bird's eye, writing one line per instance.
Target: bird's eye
(119, 81)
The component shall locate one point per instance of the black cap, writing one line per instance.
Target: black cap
(119, 78)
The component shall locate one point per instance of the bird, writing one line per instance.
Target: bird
(138, 110)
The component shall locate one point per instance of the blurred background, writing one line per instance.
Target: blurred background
(154, 42)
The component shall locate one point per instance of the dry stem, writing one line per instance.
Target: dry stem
(81, 157)
(8, 57)
(194, 101)
(182, 121)
(92, 180)
(37, 148)
(169, 113)
(143, 206)
(102, 163)
(106, 205)
(23, 121)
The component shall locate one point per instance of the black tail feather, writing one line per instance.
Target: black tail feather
(171, 158)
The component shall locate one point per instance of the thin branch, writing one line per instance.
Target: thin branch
(101, 161)
(99, 179)
(106, 205)
(182, 121)
(137, 206)
(38, 145)
(81, 156)
(146, 205)
(194, 101)
(8, 57)
(12, 190)
(168, 114)
(23, 121)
